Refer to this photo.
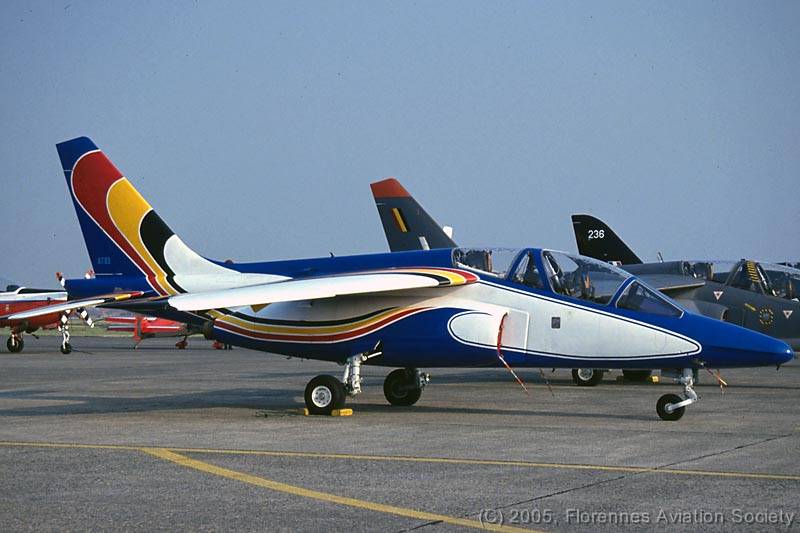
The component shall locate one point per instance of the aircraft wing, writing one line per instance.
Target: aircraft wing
(312, 289)
(70, 305)
(671, 284)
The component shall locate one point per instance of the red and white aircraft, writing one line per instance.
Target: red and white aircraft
(17, 299)
(150, 327)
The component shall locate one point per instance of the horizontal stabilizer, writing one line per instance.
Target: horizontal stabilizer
(71, 305)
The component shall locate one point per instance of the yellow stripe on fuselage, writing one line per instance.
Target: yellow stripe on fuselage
(304, 330)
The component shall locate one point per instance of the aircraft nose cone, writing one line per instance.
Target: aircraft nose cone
(784, 355)
(728, 345)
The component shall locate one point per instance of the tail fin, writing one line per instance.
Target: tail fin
(123, 234)
(406, 224)
(596, 239)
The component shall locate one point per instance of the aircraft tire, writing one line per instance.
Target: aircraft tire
(400, 389)
(15, 347)
(636, 375)
(587, 377)
(661, 407)
(323, 394)
(66, 348)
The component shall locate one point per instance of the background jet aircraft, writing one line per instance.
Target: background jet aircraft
(406, 224)
(18, 299)
(437, 308)
(759, 296)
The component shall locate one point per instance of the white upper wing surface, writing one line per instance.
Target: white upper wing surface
(324, 287)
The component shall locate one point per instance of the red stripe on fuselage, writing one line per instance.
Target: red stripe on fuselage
(337, 337)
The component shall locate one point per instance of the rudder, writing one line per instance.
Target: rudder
(595, 239)
(406, 224)
(123, 234)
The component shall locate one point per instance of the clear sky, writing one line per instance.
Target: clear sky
(254, 128)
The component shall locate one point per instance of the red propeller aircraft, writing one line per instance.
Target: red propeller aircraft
(150, 327)
(16, 299)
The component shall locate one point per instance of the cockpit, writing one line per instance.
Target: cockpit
(763, 278)
(570, 275)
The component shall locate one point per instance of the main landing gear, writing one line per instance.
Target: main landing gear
(587, 377)
(326, 393)
(671, 406)
(15, 344)
(404, 386)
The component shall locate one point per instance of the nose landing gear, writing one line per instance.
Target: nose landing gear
(63, 327)
(670, 406)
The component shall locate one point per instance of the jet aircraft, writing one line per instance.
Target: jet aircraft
(757, 295)
(480, 307)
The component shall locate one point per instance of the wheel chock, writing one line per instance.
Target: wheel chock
(335, 412)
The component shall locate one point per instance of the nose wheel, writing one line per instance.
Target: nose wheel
(671, 407)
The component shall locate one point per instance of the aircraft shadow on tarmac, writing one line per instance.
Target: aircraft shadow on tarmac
(82, 404)
(256, 399)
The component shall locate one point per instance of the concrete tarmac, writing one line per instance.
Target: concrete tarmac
(200, 439)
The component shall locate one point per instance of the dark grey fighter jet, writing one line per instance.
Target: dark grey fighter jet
(760, 296)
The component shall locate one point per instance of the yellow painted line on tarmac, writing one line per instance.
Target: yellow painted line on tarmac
(172, 456)
(169, 455)
(490, 462)
(440, 460)
(23, 444)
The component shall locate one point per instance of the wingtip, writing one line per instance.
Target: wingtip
(388, 188)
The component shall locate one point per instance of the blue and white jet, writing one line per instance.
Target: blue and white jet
(453, 307)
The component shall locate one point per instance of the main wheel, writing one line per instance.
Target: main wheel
(661, 407)
(324, 394)
(400, 387)
(636, 375)
(66, 348)
(587, 377)
(15, 347)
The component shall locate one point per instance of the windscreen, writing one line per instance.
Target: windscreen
(494, 261)
(637, 297)
(784, 280)
(582, 277)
